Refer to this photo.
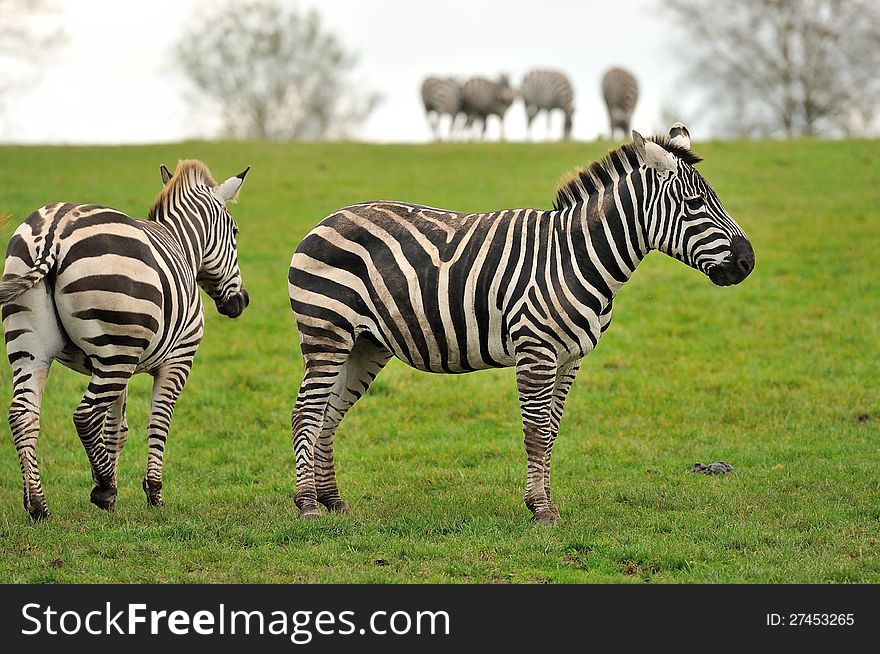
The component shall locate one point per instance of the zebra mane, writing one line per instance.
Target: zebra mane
(188, 174)
(583, 182)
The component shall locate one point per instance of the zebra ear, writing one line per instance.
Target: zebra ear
(230, 188)
(166, 174)
(679, 135)
(653, 155)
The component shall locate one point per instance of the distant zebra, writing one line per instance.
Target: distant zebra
(621, 92)
(109, 296)
(546, 90)
(450, 292)
(481, 98)
(441, 97)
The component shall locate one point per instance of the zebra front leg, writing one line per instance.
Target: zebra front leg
(565, 376)
(531, 112)
(28, 382)
(535, 378)
(168, 383)
(101, 393)
(434, 123)
(306, 421)
(363, 364)
(116, 431)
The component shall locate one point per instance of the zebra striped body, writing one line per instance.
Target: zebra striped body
(621, 92)
(546, 90)
(109, 296)
(441, 97)
(449, 292)
(481, 98)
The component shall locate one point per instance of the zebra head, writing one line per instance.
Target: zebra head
(219, 274)
(684, 217)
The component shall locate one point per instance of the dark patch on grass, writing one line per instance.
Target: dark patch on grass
(641, 569)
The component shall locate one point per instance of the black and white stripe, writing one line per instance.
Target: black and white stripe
(441, 97)
(110, 296)
(546, 90)
(621, 92)
(449, 292)
(481, 98)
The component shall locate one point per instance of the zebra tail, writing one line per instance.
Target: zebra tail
(13, 285)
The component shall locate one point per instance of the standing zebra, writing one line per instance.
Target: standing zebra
(441, 97)
(449, 292)
(546, 90)
(481, 98)
(109, 296)
(621, 92)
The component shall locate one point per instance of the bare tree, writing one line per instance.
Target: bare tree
(273, 72)
(784, 67)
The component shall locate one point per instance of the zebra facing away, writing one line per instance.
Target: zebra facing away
(621, 92)
(546, 90)
(109, 296)
(481, 98)
(441, 97)
(449, 292)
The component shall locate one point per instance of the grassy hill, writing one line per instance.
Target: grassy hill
(779, 377)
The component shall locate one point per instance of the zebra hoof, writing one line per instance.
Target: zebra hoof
(546, 517)
(308, 510)
(38, 512)
(40, 515)
(153, 491)
(337, 506)
(104, 497)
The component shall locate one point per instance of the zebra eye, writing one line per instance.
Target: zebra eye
(695, 202)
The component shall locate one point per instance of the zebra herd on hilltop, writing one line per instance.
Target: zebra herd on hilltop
(441, 290)
(469, 104)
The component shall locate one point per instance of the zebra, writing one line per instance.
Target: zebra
(621, 92)
(450, 292)
(110, 296)
(441, 97)
(481, 98)
(546, 90)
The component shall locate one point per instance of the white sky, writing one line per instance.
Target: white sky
(114, 80)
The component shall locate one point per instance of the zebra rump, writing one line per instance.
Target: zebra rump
(441, 97)
(546, 90)
(621, 92)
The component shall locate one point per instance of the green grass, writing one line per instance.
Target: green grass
(770, 376)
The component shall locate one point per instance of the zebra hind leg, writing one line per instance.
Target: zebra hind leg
(28, 382)
(103, 391)
(366, 360)
(116, 430)
(322, 369)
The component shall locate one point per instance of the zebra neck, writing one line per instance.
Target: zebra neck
(189, 232)
(609, 226)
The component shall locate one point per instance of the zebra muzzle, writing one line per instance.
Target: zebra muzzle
(737, 267)
(234, 305)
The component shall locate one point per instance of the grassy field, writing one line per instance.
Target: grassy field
(779, 377)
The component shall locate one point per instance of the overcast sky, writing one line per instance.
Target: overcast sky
(114, 81)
